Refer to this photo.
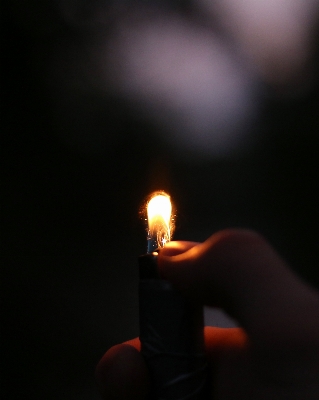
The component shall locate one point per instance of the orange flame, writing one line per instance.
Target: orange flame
(160, 221)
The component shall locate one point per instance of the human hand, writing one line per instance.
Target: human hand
(275, 355)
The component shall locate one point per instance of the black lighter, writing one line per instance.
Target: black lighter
(171, 333)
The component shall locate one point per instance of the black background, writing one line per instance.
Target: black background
(71, 231)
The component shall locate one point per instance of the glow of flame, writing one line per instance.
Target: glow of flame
(159, 213)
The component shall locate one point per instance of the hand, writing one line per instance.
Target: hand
(275, 355)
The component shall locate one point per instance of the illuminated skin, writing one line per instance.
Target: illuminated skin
(276, 353)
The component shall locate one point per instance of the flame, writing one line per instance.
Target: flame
(159, 213)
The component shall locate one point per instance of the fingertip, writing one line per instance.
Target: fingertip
(177, 247)
(219, 341)
(170, 256)
(135, 343)
(122, 374)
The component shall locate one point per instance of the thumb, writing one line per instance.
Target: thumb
(240, 272)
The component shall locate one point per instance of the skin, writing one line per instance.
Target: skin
(275, 355)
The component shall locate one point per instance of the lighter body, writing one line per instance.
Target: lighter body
(171, 335)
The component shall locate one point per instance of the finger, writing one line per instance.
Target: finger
(175, 248)
(134, 343)
(224, 256)
(219, 341)
(122, 374)
(239, 271)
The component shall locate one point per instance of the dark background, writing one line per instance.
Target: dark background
(72, 191)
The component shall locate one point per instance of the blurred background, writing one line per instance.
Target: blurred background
(103, 102)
